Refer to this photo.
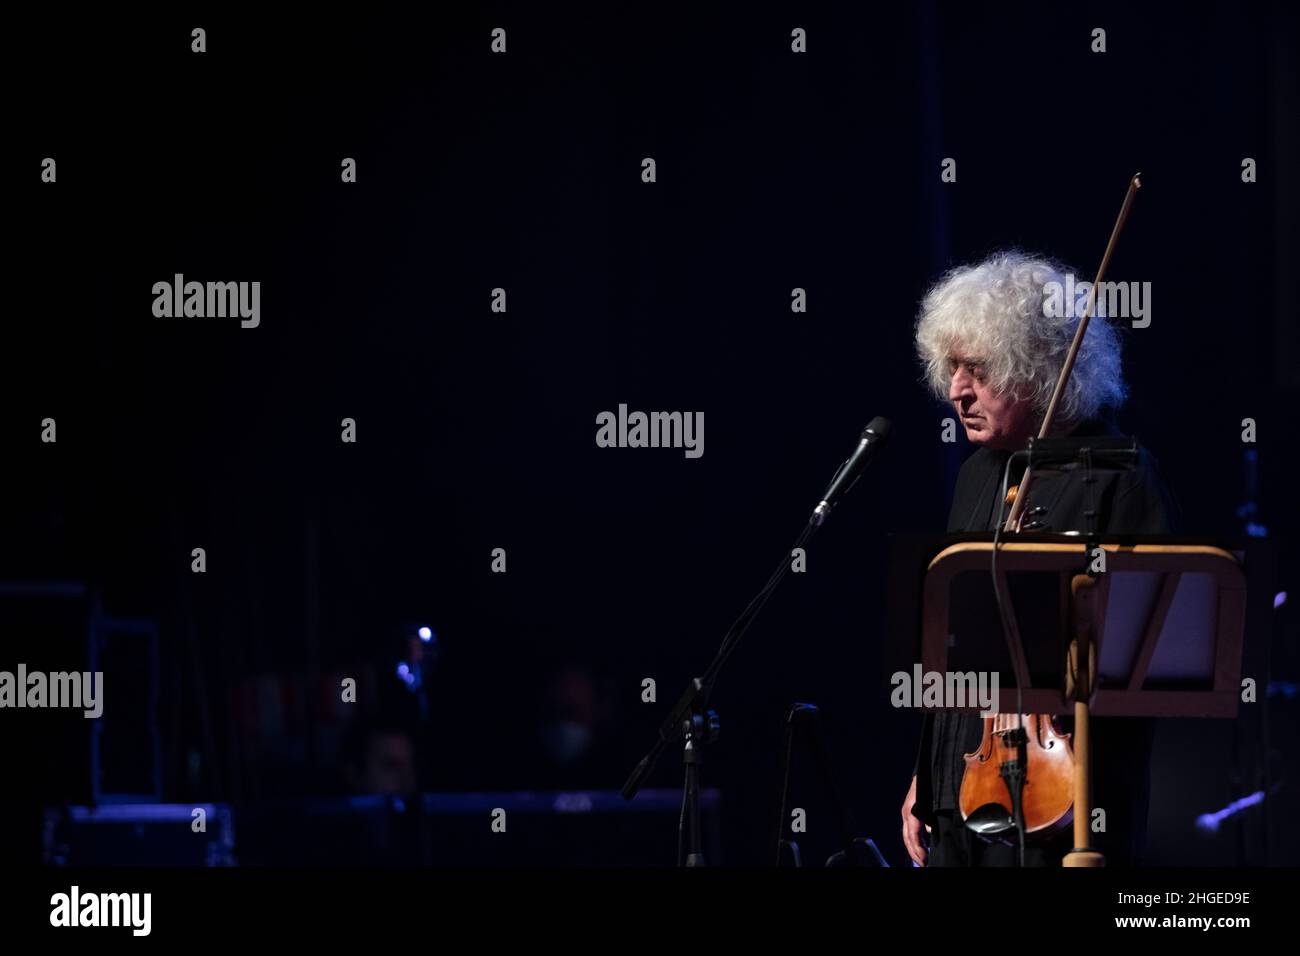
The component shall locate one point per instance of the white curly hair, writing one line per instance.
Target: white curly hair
(992, 312)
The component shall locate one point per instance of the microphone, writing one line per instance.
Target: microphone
(873, 437)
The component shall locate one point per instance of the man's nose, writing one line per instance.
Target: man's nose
(961, 385)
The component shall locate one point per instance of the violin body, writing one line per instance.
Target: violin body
(985, 799)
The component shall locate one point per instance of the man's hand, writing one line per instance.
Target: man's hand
(912, 839)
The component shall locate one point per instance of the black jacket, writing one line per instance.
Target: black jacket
(1134, 502)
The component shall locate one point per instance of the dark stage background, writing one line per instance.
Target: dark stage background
(475, 429)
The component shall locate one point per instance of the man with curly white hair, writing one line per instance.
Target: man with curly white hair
(992, 338)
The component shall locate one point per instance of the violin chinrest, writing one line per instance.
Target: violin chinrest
(990, 820)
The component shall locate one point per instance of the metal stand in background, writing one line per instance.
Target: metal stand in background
(697, 725)
(701, 729)
(858, 851)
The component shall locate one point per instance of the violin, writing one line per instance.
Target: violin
(1047, 766)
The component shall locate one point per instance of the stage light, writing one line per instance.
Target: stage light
(426, 634)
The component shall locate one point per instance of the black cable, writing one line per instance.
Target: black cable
(681, 823)
(742, 622)
(1017, 809)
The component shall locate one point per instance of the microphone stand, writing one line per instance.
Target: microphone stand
(693, 721)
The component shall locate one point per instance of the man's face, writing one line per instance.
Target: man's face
(990, 419)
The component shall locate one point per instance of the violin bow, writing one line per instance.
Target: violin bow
(1018, 506)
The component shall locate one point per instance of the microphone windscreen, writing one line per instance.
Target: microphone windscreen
(880, 428)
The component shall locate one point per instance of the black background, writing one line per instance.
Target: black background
(476, 429)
